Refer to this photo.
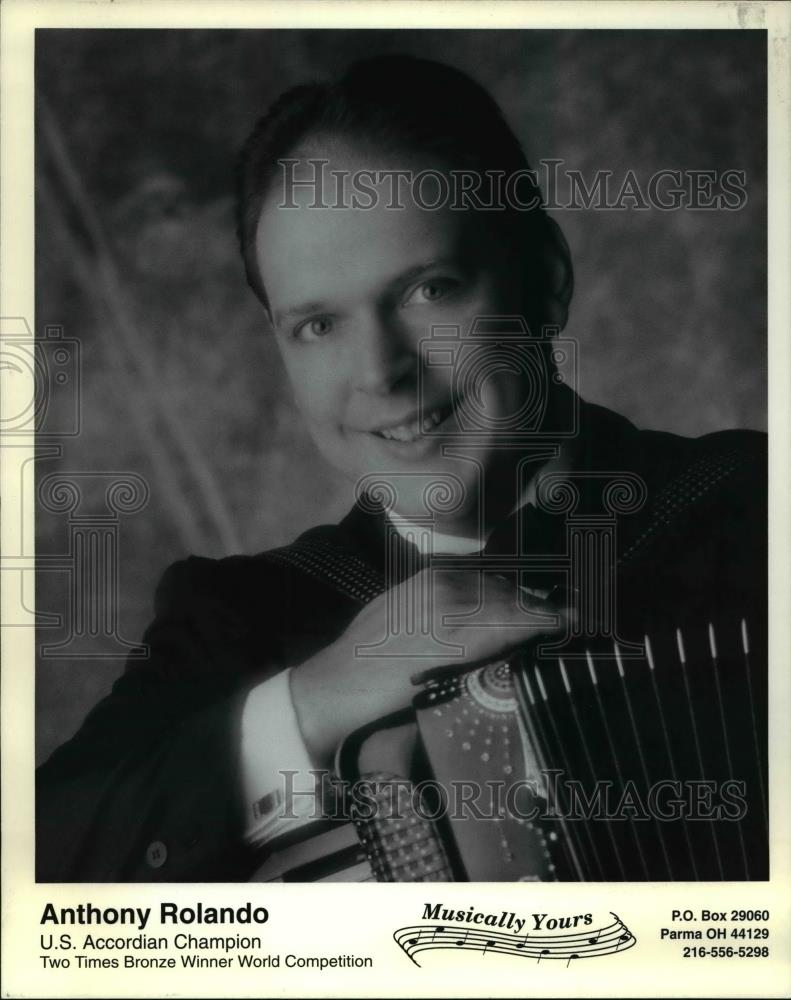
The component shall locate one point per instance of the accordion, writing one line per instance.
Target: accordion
(587, 763)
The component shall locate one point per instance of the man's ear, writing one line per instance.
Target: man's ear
(558, 276)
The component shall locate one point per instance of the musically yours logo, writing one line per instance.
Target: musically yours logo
(542, 937)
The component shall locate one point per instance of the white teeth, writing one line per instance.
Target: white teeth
(410, 432)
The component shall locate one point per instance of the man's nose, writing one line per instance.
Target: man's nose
(382, 358)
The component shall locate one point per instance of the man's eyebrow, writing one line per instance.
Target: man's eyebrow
(301, 310)
(420, 269)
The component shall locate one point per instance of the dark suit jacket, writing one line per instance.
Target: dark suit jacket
(147, 790)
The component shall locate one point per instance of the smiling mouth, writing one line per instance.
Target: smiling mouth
(424, 423)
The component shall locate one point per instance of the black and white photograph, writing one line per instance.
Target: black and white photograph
(456, 514)
(401, 490)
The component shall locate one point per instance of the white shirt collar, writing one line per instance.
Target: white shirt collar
(441, 544)
(424, 536)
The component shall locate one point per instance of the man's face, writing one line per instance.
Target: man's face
(352, 294)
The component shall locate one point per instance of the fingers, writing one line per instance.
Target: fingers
(470, 616)
(487, 615)
(494, 595)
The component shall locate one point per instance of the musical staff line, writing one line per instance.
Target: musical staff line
(590, 943)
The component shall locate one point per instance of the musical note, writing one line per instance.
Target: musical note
(625, 937)
(462, 941)
(489, 944)
(521, 944)
(570, 958)
(544, 951)
(437, 930)
(594, 940)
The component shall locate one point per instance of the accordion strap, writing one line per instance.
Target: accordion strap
(333, 564)
(350, 575)
(693, 487)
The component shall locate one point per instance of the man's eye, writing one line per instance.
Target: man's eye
(430, 291)
(313, 329)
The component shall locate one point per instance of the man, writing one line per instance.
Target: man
(258, 664)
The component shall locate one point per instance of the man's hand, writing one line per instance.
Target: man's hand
(337, 691)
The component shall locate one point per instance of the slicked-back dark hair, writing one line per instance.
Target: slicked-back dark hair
(399, 104)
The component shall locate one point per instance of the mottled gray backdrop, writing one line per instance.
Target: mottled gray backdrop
(136, 137)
